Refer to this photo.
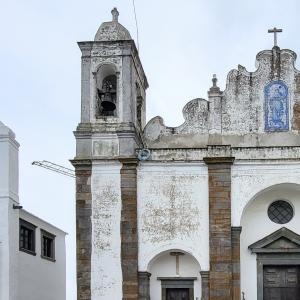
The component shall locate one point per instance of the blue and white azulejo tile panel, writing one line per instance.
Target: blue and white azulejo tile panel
(276, 106)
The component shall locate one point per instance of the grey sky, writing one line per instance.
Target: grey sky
(182, 43)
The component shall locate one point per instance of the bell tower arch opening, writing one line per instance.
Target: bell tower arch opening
(106, 84)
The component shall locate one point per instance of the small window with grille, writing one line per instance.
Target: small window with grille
(280, 212)
(27, 237)
(47, 245)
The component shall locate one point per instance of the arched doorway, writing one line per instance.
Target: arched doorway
(175, 275)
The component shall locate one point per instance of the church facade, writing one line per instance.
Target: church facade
(206, 210)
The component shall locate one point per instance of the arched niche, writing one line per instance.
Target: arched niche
(106, 100)
(174, 271)
(256, 225)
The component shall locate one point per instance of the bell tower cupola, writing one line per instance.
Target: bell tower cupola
(113, 93)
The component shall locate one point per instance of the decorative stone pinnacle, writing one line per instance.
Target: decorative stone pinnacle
(214, 80)
(115, 14)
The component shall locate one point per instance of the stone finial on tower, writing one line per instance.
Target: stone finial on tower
(115, 14)
(214, 88)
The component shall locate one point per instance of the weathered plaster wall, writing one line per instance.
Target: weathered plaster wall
(173, 210)
(106, 279)
(250, 178)
(256, 225)
(237, 115)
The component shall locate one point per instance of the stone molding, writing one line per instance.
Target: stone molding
(204, 285)
(236, 262)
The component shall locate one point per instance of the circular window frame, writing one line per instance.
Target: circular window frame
(289, 203)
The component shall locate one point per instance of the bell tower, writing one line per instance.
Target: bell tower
(113, 115)
(113, 93)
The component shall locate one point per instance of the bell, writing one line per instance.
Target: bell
(108, 106)
(107, 103)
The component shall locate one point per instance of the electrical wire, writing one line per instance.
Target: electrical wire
(136, 24)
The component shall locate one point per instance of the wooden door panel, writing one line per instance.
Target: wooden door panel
(177, 294)
(281, 283)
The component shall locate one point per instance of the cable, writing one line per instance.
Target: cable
(136, 24)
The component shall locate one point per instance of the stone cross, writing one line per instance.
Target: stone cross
(275, 31)
(115, 14)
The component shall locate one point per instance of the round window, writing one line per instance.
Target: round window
(280, 212)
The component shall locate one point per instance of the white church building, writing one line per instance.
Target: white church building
(32, 251)
(206, 210)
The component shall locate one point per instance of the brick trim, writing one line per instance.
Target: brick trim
(129, 237)
(220, 244)
(83, 172)
(236, 269)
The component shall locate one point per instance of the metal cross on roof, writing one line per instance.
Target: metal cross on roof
(275, 31)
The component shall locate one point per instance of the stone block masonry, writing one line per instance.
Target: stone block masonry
(83, 228)
(220, 241)
(129, 237)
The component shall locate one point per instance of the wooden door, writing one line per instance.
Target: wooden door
(178, 294)
(281, 283)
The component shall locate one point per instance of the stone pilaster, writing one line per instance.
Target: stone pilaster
(83, 170)
(220, 281)
(129, 237)
(144, 285)
(205, 285)
(236, 273)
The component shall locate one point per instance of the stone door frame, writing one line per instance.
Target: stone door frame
(177, 282)
(281, 248)
(275, 260)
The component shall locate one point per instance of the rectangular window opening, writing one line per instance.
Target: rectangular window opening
(47, 245)
(27, 237)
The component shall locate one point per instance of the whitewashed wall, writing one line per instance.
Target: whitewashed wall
(256, 225)
(40, 278)
(9, 239)
(251, 178)
(106, 281)
(165, 266)
(173, 210)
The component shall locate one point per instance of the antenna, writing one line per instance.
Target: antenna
(55, 168)
(136, 24)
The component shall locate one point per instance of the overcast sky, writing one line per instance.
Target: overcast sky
(182, 43)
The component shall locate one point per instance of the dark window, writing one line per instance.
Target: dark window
(27, 237)
(47, 245)
(280, 212)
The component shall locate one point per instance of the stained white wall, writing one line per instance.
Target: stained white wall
(40, 278)
(106, 277)
(173, 210)
(256, 225)
(165, 266)
(250, 178)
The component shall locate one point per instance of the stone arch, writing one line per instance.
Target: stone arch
(106, 90)
(290, 185)
(174, 268)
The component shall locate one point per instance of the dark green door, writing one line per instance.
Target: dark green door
(281, 283)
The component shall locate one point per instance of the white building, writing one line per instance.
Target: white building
(32, 251)
(206, 210)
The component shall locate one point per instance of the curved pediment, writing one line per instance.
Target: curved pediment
(280, 241)
(260, 108)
